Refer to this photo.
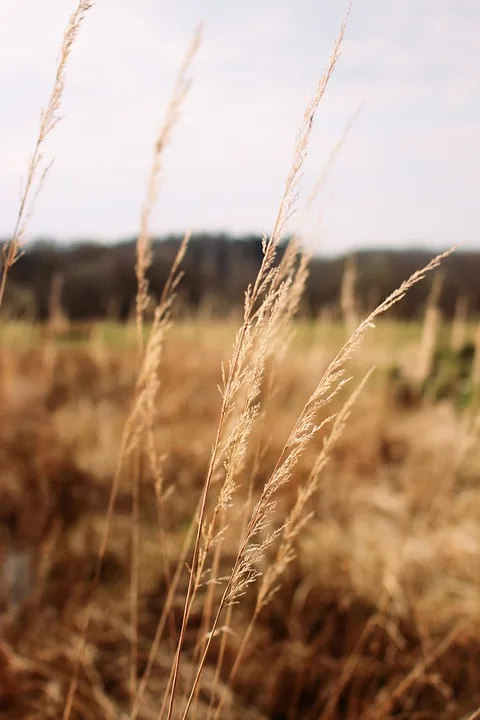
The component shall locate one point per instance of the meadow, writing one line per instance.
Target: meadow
(376, 614)
(262, 517)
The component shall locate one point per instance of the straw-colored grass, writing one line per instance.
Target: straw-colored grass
(383, 572)
(193, 531)
(37, 168)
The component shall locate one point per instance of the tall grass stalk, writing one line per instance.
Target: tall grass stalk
(144, 248)
(140, 421)
(245, 571)
(294, 269)
(256, 321)
(296, 520)
(143, 262)
(37, 170)
(314, 224)
(263, 303)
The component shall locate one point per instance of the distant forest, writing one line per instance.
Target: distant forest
(95, 281)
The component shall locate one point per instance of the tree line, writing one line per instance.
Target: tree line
(92, 280)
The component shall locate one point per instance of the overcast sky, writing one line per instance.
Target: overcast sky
(409, 173)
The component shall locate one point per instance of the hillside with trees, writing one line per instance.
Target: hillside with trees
(95, 280)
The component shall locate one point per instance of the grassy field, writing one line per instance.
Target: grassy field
(389, 334)
(225, 520)
(377, 613)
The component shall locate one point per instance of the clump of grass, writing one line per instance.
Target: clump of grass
(265, 302)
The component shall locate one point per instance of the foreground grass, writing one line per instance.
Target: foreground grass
(377, 617)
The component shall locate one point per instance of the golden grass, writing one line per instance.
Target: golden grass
(301, 566)
(383, 573)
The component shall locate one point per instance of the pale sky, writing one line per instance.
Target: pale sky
(409, 173)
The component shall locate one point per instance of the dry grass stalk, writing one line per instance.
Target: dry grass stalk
(139, 424)
(273, 339)
(347, 294)
(292, 527)
(257, 327)
(139, 438)
(143, 261)
(234, 450)
(459, 324)
(295, 272)
(245, 570)
(144, 250)
(297, 518)
(315, 225)
(297, 256)
(36, 170)
(329, 385)
(296, 252)
(134, 574)
(136, 427)
(208, 605)
(431, 322)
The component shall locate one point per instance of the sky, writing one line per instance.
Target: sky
(408, 173)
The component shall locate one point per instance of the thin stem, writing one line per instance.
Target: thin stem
(236, 665)
(134, 575)
(48, 120)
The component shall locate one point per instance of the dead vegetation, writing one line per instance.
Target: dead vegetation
(285, 548)
(377, 615)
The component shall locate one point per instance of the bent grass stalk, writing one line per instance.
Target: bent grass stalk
(144, 244)
(236, 375)
(132, 433)
(277, 351)
(244, 571)
(37, 173)
(276, 307)
(295, 522)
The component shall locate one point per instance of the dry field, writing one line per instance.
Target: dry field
(377, 614)
(237, 520)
